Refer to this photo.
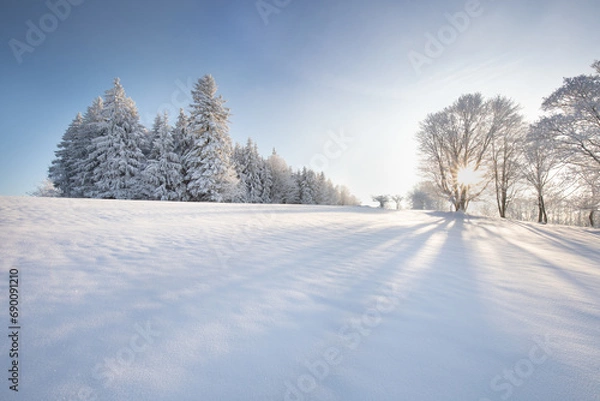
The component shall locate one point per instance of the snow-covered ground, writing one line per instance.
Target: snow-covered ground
(168, 301)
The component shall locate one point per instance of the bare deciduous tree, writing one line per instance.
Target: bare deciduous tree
(46, 189)
(398, 200)
(587, 196)
(382, 200)
(454, 144)
(574, 120)
(541, 165)
(425, 196)
(506, 151)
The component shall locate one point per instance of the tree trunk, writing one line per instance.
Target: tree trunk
(542, 216)
(591, 217)
(462, 203)
(502, 208)
(501, 201)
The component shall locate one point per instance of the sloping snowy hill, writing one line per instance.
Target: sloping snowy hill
(167, 301)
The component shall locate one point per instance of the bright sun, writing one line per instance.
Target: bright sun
(467, 176)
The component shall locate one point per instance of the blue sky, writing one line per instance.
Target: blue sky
(316, 70)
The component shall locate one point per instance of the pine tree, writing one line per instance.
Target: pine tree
(93, 127)
(283, 186)
(239, 162)
(182, 141)
(238, 159)
(320, 190)
(210, 173)
(266, 179)
(333, 196)
(308, 181)
(147, 145)
(107, 154)
(162, 177)
(292, 193)
(249, 171)
(119, 153)
(62, 171)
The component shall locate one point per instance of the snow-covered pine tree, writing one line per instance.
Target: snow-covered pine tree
(93, 127)
(283, 184)
(162, 176)
(183, 141)
(292, 194)
(325, 193)
(320, 190)
(333, 197)
(118, 152)
(147, 139)
(62, 171)
(239, 161)
(209, 169)
(181, 138)
(147, 144)
(249, 171)
(345, 197)
(266, 179)
(308, 181)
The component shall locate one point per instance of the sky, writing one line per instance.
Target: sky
(336, 85)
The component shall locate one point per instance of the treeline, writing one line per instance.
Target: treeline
(107, 153)
(477, 149)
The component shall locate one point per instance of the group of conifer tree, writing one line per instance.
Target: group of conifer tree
(107, 153)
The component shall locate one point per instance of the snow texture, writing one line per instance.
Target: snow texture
(128, 300)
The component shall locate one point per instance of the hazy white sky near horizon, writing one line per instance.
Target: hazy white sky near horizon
(315, 68)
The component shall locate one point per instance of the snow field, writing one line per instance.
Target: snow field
(187, 301)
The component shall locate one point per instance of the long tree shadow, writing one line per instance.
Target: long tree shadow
(562, 241)
(444, 329)
(268, 300)
(251, 325)
(583, 279)
(428, 328)
(539, 287)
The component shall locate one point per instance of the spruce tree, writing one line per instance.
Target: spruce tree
(249, 172)
(183, 142)
(62, 171)
(210, 174)
(181, 138)
(93, 127)
(118, 152)
(282, 182)
(266, 179)
(162, 175)
(308, 184)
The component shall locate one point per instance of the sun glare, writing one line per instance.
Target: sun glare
(467, 176)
